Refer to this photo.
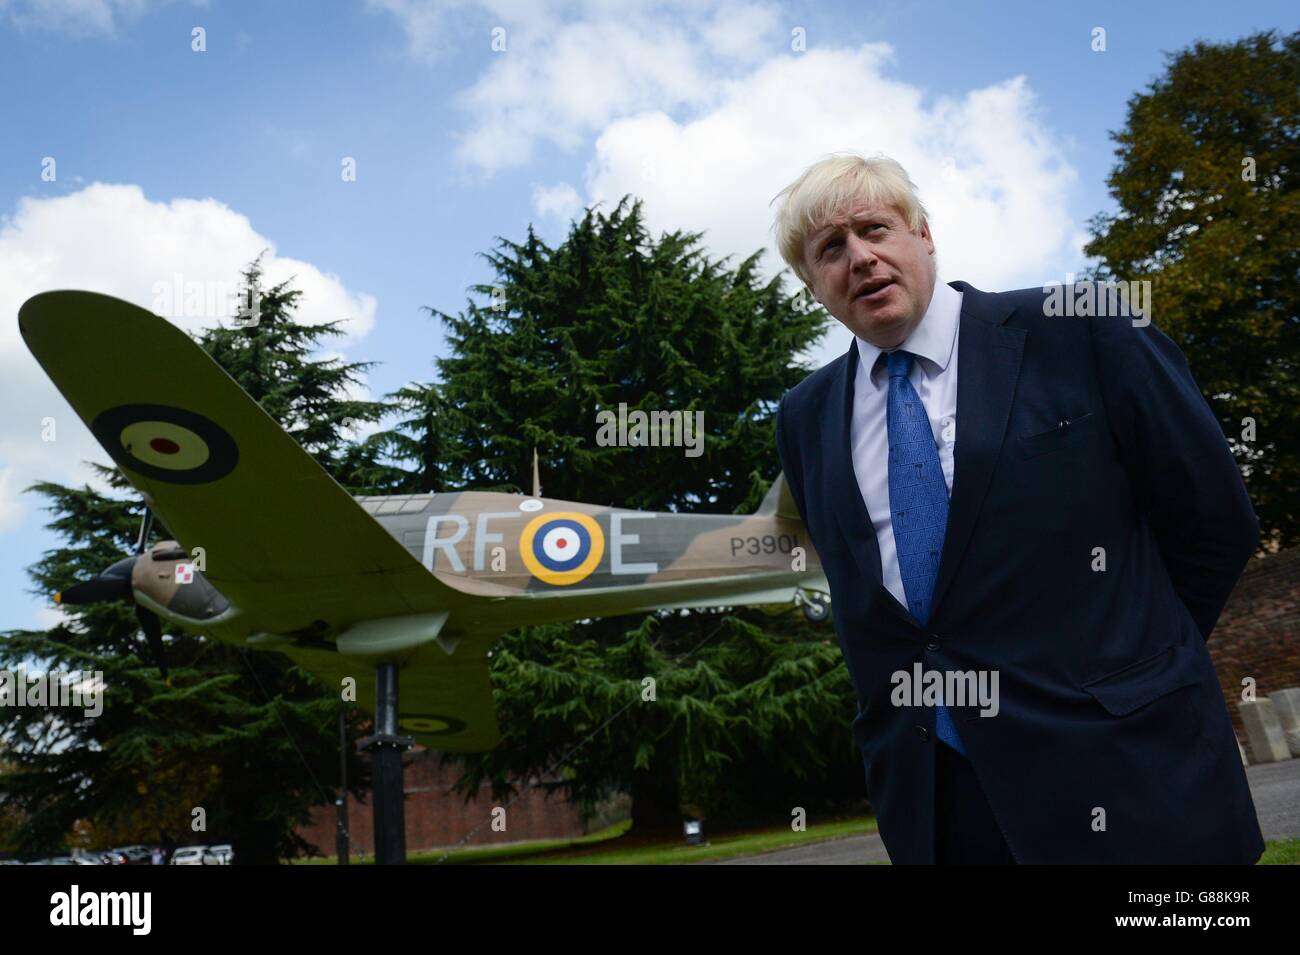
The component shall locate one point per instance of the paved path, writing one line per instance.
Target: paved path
(1275, 788)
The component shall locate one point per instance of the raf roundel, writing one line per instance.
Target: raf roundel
(430, 724)
(561, 548)
(166, 443)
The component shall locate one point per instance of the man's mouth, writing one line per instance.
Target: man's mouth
(873, 291)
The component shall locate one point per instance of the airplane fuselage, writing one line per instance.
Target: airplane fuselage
(616, 560)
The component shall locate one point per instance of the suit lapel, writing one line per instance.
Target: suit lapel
(988, 364)
(846, 496)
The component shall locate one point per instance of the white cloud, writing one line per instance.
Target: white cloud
(423, 22)
(705, 111)
(993, 177)
(740, 31)
(80, 18)
(570, 68)
(560, 201)
(114, 240)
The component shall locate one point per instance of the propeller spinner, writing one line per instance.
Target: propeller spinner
(114, 584)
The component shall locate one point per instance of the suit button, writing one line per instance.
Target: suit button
(932, 645)
(922, 732)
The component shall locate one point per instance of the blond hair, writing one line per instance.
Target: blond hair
(828, 188)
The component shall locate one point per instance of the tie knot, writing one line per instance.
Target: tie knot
(900, 363)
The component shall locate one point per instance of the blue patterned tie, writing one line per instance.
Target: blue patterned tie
(918, 505)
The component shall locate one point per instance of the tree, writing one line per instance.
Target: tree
(1206, 184)
(744, 720)
(419, 439)
(249, 738)
(751, 708)
(611, 317)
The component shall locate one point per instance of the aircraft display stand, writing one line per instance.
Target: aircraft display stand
(385, 747)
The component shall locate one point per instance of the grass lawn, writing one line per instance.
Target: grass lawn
(612, 847)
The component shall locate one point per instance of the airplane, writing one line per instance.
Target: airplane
(273, 554)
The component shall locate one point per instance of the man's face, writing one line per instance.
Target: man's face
(869, 246)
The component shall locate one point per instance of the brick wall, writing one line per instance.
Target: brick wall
(1258, 634)
(437, 817)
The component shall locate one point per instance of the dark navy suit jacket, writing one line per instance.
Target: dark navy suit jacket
(1112, 743)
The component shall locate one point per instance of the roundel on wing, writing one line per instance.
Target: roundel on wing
(166, 443)
(561, 548)
(430, 724)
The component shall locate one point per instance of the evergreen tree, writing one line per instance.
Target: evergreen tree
(1209, 212)
(418, 438)
(747, 719)
(612, 317)
(246, 736)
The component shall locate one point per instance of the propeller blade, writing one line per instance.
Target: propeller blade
(114, 583)
(152, 628)
(98, 590)
(146, 526)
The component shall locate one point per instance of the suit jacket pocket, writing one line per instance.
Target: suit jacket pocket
(1138, 684)
(1032, 445)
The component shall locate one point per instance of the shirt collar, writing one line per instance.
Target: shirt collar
(934, 335)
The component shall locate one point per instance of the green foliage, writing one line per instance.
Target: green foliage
(725, 714)
(418, 438)
(230, 720)
(1222, 249)
(612, 316)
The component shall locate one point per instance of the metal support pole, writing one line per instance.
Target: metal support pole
(386, 748)
(341, 804)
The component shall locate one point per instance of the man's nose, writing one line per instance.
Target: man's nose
(861, 255)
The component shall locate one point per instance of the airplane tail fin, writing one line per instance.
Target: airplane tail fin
(779, 501)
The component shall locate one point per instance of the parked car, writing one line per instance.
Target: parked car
(114, 857)
(86, 858)
(138, 855)
(219, 855)
(189, 855)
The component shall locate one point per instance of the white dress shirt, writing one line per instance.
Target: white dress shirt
(934, 376)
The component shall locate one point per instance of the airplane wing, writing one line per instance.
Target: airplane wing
(281, 538)
(445, 705)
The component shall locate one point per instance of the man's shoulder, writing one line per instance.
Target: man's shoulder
(1085, 300)
(814, 388)
(1107, 318)
(1024, 298)
(1020, 303)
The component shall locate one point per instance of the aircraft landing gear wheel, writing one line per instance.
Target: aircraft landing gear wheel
(816, 609)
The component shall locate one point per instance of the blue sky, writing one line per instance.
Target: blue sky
(170, 161)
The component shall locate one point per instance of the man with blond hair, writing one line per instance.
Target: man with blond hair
(1030, 524)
